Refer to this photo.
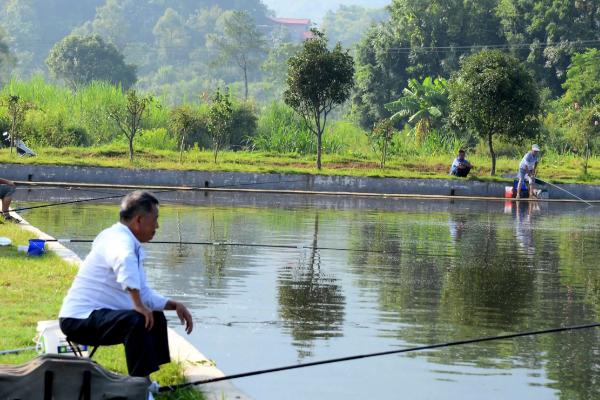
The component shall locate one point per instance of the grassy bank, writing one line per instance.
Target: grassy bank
(565, 169)
(32, 289)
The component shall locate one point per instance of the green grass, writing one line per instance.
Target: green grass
(556, 168)
(32, 289)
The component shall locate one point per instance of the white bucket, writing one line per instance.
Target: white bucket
(51, 340)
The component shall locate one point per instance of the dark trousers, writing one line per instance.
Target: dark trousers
(462, 172)
(145, 349)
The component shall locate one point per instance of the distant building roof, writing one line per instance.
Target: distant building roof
(291, 21)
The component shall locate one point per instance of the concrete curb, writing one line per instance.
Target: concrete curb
(272, 181)
(196, 365)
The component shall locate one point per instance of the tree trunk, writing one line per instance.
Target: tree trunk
(181, 148)
(319, 141)
(131, 149)
(245, 82)
(492, 154)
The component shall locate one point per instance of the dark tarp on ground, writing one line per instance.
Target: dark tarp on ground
(27, 381)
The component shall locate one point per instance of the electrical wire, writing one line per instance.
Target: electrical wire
(379, 354)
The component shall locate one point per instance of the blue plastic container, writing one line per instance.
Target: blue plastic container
(36, 247)
(524, 188)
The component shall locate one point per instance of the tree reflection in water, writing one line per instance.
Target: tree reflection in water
(311, 303)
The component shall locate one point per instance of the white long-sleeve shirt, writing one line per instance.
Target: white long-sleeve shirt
(114, 264)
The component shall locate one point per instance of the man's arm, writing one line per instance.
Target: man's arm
(139, 306)
(183, 313)
(6, 182)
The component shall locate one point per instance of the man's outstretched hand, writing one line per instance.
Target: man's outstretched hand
(183, 313)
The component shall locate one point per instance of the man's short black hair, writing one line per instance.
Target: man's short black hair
(461, 151)
(136, 202)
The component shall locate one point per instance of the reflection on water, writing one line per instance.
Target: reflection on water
(434, 272)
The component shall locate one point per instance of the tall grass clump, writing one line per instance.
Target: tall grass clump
(281, 130)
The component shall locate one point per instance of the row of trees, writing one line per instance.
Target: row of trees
(491, 95)
(430, 38)
(494, 95)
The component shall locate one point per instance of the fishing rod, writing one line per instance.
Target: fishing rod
(261, 245)
(379, 354)
(564, 190)
(156, 192)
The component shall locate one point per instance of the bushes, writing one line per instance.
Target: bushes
(281, 130)
(244, 125)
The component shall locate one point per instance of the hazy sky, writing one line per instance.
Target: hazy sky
(315, 10)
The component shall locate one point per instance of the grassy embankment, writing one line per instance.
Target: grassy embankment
(32, 289)
(555, 168)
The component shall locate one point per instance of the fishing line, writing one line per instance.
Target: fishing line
(564, 190)
(378, 354)
(191, 188)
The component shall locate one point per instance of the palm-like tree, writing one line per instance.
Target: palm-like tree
(422, 105)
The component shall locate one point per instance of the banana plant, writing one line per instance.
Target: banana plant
(422, 105)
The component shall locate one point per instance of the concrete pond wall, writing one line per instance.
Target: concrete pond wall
(271, 181)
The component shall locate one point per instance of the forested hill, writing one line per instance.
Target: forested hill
(171, 48)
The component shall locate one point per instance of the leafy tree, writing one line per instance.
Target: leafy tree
(380, 74)
(80, 60)
(7, 59)
(17, 109)
(493, 94)
(239, 40)
(581, 103)
(128, 116)
(555, 29)
(380, 137)
(182, 121)
(421, 38)
(33, 26)
(583, 78)
(584, 129)
(171, 36)
(276, 66)
(220, 119)
(422, 104)
(318, 80)
(349, 22)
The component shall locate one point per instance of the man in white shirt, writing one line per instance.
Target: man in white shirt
(110, 302)
(527, 169)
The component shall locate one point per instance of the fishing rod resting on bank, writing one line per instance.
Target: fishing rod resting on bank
(173, 388)
(116, 196)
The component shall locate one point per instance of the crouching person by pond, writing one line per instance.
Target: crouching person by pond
(461, 166)
(110, 302)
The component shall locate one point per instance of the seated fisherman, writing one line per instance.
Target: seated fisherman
(527, 169)
(110, 302)
(461, 166)
(7, 188)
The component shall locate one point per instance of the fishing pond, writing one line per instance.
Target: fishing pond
(322, 277)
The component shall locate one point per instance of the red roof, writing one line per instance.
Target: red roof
(291, 21)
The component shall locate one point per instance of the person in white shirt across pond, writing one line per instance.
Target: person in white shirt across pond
(110, 301)
(527, 169)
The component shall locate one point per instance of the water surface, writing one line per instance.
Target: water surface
(413, 273)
